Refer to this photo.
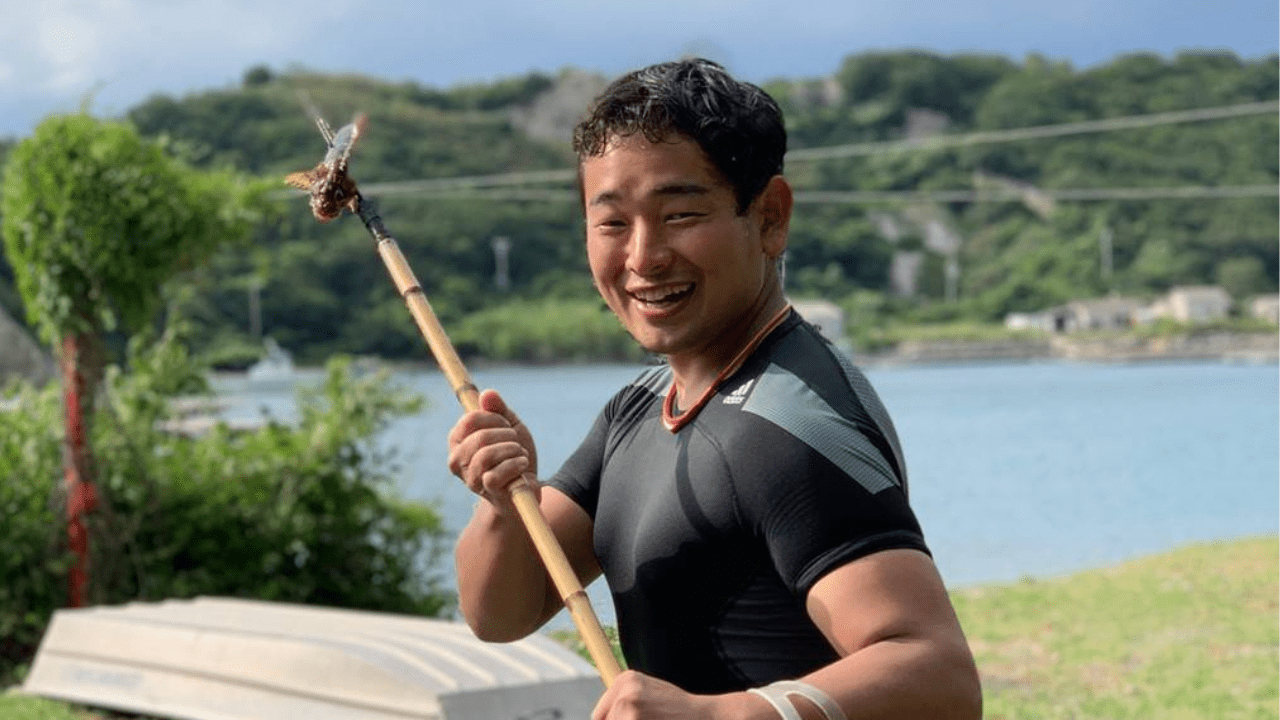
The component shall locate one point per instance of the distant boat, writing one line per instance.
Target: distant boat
(275, 366)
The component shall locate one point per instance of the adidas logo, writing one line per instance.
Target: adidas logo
(739, 395)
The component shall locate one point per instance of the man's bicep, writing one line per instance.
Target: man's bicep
(891, 594)
(572, 527)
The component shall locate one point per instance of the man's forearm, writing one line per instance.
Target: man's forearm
(901, 679)
(895, 679)
(503, 588)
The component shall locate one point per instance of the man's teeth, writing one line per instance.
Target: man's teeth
(661, 295)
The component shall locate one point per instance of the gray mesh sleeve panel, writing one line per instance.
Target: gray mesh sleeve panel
(777, 397)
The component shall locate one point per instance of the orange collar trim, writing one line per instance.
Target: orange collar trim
(673, 422)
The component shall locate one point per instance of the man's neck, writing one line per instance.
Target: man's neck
(696, 375)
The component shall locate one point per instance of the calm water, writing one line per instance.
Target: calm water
(1017, 470)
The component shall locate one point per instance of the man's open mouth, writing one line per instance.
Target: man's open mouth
(663, 296)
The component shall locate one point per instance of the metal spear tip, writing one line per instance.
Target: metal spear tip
(344, 140)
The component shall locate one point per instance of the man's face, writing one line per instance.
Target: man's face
(684, 272)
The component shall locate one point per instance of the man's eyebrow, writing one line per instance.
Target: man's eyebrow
(682, 189)
(670, 190)
(603, 198)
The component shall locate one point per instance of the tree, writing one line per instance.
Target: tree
(95, 221)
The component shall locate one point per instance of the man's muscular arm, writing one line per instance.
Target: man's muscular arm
(504, 592)
(903, 654)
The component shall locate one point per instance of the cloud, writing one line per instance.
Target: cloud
(60, 45)
(58, 51)
(65, 47)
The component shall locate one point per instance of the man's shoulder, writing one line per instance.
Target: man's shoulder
(814, 394)
(653, 379)
(648, 386)
(800, 357)
(638, 398)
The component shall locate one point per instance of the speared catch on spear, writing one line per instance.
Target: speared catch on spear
(332, 191)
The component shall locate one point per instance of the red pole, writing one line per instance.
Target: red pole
(82, 497)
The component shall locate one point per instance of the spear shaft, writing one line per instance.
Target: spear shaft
(526, 503)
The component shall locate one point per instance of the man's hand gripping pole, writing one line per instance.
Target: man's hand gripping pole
(331, 191)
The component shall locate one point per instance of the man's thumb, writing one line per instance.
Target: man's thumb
(491, 401)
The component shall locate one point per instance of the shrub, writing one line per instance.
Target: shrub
(547, 331)
(33, 557)
(301, 513)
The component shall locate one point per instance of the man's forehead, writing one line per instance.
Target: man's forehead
(679, 167)
(627, 139)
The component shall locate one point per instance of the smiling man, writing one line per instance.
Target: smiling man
(747, 499)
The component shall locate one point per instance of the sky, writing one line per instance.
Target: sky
(109, 55)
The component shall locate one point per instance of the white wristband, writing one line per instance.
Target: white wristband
(779, 696)
(778, 700)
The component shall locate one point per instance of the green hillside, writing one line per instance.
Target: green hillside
(997, 241)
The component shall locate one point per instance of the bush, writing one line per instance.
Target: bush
(33, 557)
(547, 331)
(301, 513)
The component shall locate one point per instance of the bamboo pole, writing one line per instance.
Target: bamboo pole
(544, 540)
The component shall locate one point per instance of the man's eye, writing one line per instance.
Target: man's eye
(685, 215)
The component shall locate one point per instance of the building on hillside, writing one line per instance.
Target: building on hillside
(1197, 304)
(824, 315)
(828, 318)
(1047, 321)
(1193, 304)
(1266, 307)
(1108, 313)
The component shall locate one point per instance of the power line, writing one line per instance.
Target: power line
(1036, 132)
(1013, 195)
(436, 187)
(414, 187)
(506, 194)
(873, 197)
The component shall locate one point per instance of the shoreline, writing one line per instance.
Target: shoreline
(1211, 346)
(1252, 348)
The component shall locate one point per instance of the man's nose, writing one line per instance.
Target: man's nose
(648, 252)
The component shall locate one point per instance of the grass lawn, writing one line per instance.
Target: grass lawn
(1191, 634)
(1182, 635)
(13, 707)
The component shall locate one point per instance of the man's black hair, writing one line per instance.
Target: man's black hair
(736, 124)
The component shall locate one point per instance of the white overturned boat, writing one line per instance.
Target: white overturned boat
(222, 658)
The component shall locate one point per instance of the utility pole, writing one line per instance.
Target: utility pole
(501, 262)
(952, 276)
(255, 310)
(1104, 247)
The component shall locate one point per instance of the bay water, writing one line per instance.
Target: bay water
(1016, 470)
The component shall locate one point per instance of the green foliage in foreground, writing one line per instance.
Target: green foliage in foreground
(96, 219)
(300, 513)
(1180, 636)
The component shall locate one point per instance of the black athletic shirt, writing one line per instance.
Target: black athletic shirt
(711, 537)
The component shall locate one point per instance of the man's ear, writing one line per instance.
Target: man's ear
(775, 203)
